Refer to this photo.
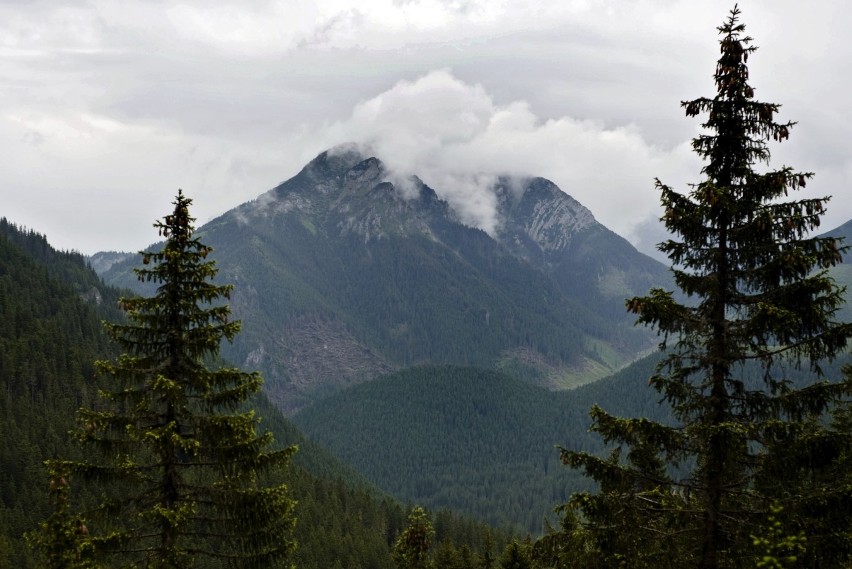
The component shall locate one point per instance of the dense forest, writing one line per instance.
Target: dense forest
(50, 336)
(52, 306)
(481, 442)
(469, 439)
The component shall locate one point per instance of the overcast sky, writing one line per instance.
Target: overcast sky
(108, 107)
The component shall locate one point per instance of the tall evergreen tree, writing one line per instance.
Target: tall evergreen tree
(760, 304)
(180, 464)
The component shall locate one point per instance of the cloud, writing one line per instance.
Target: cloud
(113, 106)
(92, 180)
(455, 137)
(649, 233)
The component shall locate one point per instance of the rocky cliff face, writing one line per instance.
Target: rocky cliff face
(542, 212)
(353, 192)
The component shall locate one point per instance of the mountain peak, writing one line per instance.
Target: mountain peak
(365, 174)
(536, 218)
(338, 159)
(535, 208)
(360, 269)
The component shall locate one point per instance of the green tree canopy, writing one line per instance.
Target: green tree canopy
(412, 546)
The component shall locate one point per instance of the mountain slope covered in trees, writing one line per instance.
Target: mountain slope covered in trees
(469, 439)
(50, 336)
(52, 305)
(479, 441)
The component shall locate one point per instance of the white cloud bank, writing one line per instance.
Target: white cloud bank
(106, 108)
(456, 138)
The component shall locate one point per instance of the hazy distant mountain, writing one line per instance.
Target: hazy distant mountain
(844, 231)
(549, 228)
(343, 273)
(842, 273)
(103, 261)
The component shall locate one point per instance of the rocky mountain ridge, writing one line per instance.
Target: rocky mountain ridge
(347, 271)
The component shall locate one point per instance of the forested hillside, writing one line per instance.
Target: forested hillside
(50, 336)
(51, 305)
(470, 439)
(481, 442)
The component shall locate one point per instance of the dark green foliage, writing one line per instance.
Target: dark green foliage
(67, 267)
(469, 439)
(412, 547)
(693, 492)
(812, 460)
(341, 526)
(50, 335)
(63, 537)
(480, 442)
(178, 464)
(516, 556)
(429, 543)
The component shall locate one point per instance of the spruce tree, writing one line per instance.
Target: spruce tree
(756, 304)
(180, 465)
